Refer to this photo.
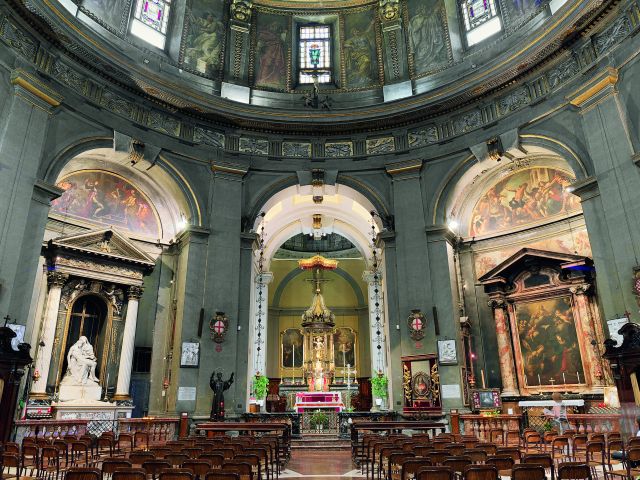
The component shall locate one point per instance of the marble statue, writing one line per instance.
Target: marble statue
(218, 386)
(82, 362)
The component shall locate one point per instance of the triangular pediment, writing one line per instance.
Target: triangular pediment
(107, 243)
(526, 258)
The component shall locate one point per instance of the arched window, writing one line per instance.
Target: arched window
(481, 20)
(150, 21)
(315, 53)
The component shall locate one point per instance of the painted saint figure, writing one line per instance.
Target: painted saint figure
(218, 386)
(358, 52)
(427, 37)
(82, 362)
(271, 70)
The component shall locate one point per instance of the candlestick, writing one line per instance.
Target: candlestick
(564, 379)
(539, 381)
(293, 364)
(578, 375)
(482, 377)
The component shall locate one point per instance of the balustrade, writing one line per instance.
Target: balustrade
(49, 428)
(482, 425)
(160, 430)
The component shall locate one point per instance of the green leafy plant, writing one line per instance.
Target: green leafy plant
(319, 418)
(547, 426)
(260, 383)
(379, 385)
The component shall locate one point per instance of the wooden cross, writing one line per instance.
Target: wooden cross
(6, 320)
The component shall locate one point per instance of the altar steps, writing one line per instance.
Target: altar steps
(320, 441)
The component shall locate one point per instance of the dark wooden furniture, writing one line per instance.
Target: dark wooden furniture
(12, 365)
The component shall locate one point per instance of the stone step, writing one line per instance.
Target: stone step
(329, 441)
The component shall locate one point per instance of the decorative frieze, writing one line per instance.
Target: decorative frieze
(377, 146)
(254, 146)
(296, 149)
(338, 149)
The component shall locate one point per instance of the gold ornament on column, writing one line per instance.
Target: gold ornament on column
(389, 9)
(241, 10)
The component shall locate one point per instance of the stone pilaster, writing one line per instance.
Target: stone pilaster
(128, 343)
(609, 198)
(378, 327)
(238, 57)
(23, 131)
(394, 45)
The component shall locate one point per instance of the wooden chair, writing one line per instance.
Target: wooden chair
(161, 452)
(252, 460)
(489, 448)
(29, 458)
(199, 467)
(476, 456)
(105, 445)
(110, 465)
(528, 472)
(82, 473)
(613, 446)
(437, 458)
(394, 470)
(503, 463)
(480, 472)
(496, 435)
(227, 453)
(176, 474)
(595, 456)
(573, 471)
(542, 459)
(141, 441)
(193, 452)
(532, 440)
(632, 455)
(561, 449)
(243, 469)
(455, 449)
(176, 459)
(422, 451)
(138, 458)
(129, 474)
(215, 459)
(155, 467)
(513, 452)
(124, 443)
(49, 462)
(434, 473)
(264, 456)
(410, 467)
(512, 437)
(457, 464)
(10, 460)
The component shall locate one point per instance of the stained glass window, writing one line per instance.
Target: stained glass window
(481, 20)
(315, 53)
(150, 21)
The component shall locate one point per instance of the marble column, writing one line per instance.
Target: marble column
(56, 281)
(238, 51)
(505, 353)
(128, 343)
(377, 324)
(592, 357)
(259, 323)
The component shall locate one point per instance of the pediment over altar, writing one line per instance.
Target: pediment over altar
(104, 254)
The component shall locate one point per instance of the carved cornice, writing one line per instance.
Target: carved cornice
(595, 87)
(22, 79)
(135, 292)
(57, 279)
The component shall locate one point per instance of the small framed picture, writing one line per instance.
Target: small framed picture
(447, 354)
(190, 355)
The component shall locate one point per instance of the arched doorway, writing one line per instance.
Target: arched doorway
(342, 227)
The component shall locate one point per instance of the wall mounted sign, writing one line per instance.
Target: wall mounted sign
(219, 326)
(447, 353)
(190, 355)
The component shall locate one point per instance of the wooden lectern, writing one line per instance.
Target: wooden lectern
(12, 365)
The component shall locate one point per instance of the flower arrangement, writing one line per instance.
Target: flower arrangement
(319, 418)
(260, 383)
(379, 385)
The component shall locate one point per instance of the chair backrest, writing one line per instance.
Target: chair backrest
(542, 459)
(176, 474)
(129, 474)
(490, 448)
(457, 464)
(110, 465)
(11, 447)
(437, 457)
(78, 473)
(422, 451)
(10, 460)
(138, 458)
(154, 467)
(434, 473)
(176, 459)
(501, 462)
(161, 452)
(193, 452)
(476, 456)
(528, 472)
(411, 465)
(215, 458)
(513, 452)
(633, 454)
(455, 448)
(198, 467)
(241, 468)
(480, 472)
(222, 476)
(573, 471)
(227, 453)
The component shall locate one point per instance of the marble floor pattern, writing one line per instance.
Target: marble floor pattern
(319, 464)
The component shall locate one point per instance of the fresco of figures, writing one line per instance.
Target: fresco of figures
(361, 61)
(575, 242)
(524, 197)
(111, 12)
(344, 342)
(204, 41)
(271, 50)
(105, 198)
(428, 35)
(549, 342)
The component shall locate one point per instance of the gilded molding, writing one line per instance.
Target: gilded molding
(605, 79)
(34, 86)
(404, 167)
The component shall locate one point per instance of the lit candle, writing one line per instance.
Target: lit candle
(482, 376)
(578, 375)
(564, 379)
(539, 381)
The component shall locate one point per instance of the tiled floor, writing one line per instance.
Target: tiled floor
(319, 464)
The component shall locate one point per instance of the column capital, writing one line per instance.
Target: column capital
(598, 87)
(135, 292)
(438, 233)
(497, 303)
(57, 279)
(586, 188)
(231, 171)
(44, 192)
(33, 90)
(582, 289)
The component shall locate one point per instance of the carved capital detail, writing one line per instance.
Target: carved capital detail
(241, 10)
(583, 289)
(57, 279)
(496, 303)
(135, 292)
(389, 9)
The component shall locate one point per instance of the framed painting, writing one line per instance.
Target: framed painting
(292, 348)
(344, 344)
(548, 345)
(190, 355)
(447, 352)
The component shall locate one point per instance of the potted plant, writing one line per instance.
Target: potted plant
(260, 384)
(319, 420)
(379, 384)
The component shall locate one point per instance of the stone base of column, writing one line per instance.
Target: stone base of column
(510, 393)
(38, 396)
(118, 397)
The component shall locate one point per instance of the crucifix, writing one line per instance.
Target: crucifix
(6, 320)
